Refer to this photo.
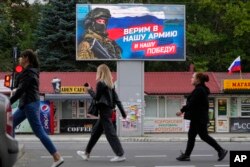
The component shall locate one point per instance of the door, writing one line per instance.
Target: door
(222, 114)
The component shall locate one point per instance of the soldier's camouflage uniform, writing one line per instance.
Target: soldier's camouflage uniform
(84, 48)
(96, 44)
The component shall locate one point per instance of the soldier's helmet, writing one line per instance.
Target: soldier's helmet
(94, 14)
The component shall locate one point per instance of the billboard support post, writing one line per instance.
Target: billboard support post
(130, 87)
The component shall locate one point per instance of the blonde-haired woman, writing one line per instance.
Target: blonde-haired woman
(106, 98)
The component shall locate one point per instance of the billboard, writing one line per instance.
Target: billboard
(130, 32)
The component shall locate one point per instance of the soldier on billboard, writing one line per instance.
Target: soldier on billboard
(96, 44)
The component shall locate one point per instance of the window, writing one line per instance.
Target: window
(222, 107)
(233, 106)
(162, 106)
(67, 109)
(81, 109)
(245, 106)
(173, 105)
(151, 106)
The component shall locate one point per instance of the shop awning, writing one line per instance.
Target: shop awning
(67, 96)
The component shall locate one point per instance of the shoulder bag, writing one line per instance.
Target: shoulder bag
(93, 110)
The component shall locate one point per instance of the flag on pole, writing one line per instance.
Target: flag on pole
(235, 66)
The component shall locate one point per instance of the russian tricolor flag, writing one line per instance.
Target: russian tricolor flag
(235, 66)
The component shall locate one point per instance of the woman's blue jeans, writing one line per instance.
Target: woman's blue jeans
(31, 112)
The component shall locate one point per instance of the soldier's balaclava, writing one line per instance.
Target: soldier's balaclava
(97, 20)
(100, 25)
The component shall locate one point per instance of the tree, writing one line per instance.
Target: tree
(18, 22)
(216, 31)
(5, 33)
(56, 36)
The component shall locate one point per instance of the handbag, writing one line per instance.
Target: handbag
(113, 115)
(93, 110)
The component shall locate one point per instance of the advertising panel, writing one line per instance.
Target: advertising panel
(45, 116)
(130, 32)
(77, 125)
(133, 120)
(240, 125)
(222, 125)
(160, 125)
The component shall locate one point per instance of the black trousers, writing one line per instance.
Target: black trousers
(196, 127)
(105, 124)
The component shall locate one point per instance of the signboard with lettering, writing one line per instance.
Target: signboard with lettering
(159, 125)
(236, 85)
(46, 116)
(77, 125)
(73, 89)
(240, 125)
(130, 32)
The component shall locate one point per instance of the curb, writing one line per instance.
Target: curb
(21, 151)
(133, 139)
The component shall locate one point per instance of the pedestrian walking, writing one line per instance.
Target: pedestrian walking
(27, 92)
(116, 102)
(105, 97)
(196, 110)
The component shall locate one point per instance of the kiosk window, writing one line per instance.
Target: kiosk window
(151, 106)
(233, 106)
(162, 106)
(245, 106)
(222, 107)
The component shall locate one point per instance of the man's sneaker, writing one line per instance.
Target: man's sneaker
(58, 163)
(183, 157)
(83, 154)
(222, 154)
(118, 159)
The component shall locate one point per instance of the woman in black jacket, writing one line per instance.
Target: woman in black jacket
(196, 110)
(106, 99)
(27, 92)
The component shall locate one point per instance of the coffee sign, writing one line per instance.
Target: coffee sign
(240, 125)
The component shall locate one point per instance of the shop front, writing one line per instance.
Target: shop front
(233, 108)
(160, 114)
(70, 110)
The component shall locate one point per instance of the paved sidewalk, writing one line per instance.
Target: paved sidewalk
(167, 137)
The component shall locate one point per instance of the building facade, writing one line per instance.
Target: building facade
(165, 93)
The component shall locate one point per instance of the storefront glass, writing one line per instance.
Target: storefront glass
(211, 114)
(151, 106)
(73, 109)
(222, 107)
(67, 110)
(233, 108)
(173, 106)
(162, 107)
(222, 119)
(245, 106)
